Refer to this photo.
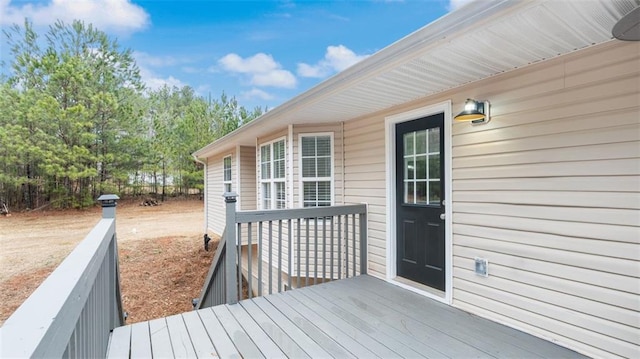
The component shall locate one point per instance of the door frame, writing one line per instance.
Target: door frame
(390, 163)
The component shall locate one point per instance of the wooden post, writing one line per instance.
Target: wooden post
(230, 198)
(108, 202)
(363, 241)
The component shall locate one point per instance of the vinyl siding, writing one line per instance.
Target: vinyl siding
(215, 189)
(247, 178)
(548, 192)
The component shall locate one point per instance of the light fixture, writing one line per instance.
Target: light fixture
(476, 112)
(628, 27)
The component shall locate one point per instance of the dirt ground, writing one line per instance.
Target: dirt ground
(162, 259)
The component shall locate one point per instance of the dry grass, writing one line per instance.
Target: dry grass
(163, 263)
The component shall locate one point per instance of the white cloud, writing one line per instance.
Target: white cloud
(119, 16)
(456, 4)
(255, 93)
(261, 69)
(154, 81)
(336, 59)
(145, 59)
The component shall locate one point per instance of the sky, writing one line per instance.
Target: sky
(263, 53)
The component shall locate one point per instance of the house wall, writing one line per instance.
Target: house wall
(215, 189)
(548, 192)
(247, 178)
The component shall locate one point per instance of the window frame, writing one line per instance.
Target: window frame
(228, 182)
(302, 180)
(273, 193)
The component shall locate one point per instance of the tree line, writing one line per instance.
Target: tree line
(76, 121)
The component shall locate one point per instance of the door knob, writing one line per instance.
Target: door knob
(443, 216)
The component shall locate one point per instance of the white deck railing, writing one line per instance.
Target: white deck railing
(278, 250)
(73, 311)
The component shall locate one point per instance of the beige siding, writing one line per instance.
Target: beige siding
(247, 178)
(215, 188)
(364, 174)
(548, 192)
(563, 242)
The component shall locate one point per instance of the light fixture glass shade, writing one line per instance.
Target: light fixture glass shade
(474, 111)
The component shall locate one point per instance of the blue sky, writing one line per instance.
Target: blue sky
(261, 52)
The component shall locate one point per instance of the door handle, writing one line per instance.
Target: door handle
(443, 216)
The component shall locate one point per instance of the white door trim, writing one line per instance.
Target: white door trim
(390, 161)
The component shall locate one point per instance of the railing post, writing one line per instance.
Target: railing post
(363, 241)
(117, 315)
(230, 199)
(108, 202)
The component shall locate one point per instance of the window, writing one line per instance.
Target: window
(317, 170)
(226, 173)
(272, 175)
(422, 167)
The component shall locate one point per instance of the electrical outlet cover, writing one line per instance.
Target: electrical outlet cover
(482, 267)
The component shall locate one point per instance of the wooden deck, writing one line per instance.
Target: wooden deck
(360, 317)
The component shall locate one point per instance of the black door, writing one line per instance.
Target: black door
(419, 201)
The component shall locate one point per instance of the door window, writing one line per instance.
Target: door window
(422, 167)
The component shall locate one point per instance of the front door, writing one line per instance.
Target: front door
(419, 201)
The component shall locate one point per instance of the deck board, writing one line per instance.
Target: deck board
(160, 338)
(180, 340)
(119, 347)
(202, 345)
(239, 337)
(356, 317)
(140, 340)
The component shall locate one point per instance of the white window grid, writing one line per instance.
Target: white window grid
(273, 174)
(226, 173)
(316, 170)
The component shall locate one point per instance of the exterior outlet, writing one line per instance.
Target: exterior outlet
(482, 266)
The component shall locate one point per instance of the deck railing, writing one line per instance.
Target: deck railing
(276, 250)
(213, 291)
(73, 311)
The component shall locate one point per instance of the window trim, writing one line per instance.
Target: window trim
(271, 180)
(230, 181)
(302, 180)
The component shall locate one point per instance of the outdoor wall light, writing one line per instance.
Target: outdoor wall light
(476, 112)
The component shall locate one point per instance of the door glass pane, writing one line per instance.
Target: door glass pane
(434, 192)
(421, 167)
(408, 143)
(434, 140)
(408, 192)
(434, 167)
(421, 192)
(409, 168)
(421, 142)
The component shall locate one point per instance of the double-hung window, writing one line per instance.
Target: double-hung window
(316, 157)
(272, 175)
(226, 173)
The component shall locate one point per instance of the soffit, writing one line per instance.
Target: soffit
(481, 40)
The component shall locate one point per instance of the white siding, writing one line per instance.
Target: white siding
(548, 192)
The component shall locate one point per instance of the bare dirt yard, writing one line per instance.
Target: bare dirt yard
(163, 263)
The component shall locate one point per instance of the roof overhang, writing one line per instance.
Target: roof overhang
(478, 41)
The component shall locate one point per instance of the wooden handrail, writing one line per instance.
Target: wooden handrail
(73, 311)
